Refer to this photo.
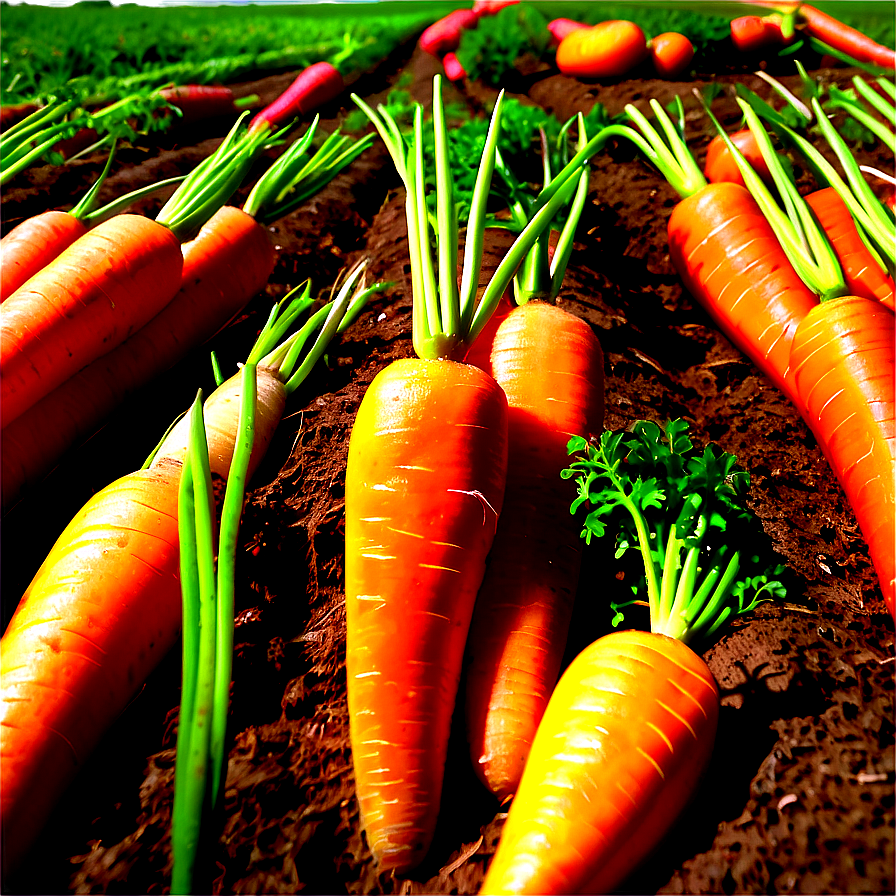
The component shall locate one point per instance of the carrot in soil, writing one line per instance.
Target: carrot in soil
(753, 33)
(630, 727)
(843, 362)
(108, 283)
(720, 166)
(550, 366)
(848, 40)
(105, 606)
(227, 264)
(32, 245)
(863, 273)
(605, 50)
(672, 54)
(424, 485)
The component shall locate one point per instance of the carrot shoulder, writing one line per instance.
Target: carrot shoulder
(24, 250)
(622, 744)
(732, 263)
(424, 485)
(89, 299)
(843, 361)
(228, 263)
(550, 365)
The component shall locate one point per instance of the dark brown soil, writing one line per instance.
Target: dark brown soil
(799, 797)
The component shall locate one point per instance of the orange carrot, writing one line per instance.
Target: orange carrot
(630, 726)
(105, 605)
(26, 248)
(731, 261)
(424, 485)
(606, 50)
(672, 54)
(863, 273)
(720, 166)
(623, 742)
(228, 263)
(60, 690)
(89, 299)
(843, 362)
(550, 366)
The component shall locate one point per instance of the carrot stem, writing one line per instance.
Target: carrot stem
(231, 513)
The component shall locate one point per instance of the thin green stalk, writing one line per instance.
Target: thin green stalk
(669, 581)
(446, 214)
(231, 513)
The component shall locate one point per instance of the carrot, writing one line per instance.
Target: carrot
(623, 742)
(92, 297)
(60, 690)
(105, 605)
(730, 260)
(109, 283)
(720, 166)
(606, 50)
(863, 273)
(630, 727)
(199, 101)
(550, 366)
(31, 245)
(444, 35)
(848, 40)
(843, 361)
(672, 54)
(227, 264)
(559, 28)
(25, 249)
(424, 484)
(318, 84)
(753, 33)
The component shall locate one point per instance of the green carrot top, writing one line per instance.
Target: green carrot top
(705, 555)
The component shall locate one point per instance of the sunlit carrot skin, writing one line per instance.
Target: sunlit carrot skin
(848, 40)
(88, 300)
(424, 484)
(550, 366)
(32, 244)
(608, 49)
(619, 752)
(227, 264)
(81, 643)
(843, 364)
(720, 164)
(101, 612)
(864, 276)
(731, 262)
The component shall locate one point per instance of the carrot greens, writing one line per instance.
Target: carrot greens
(704, 552)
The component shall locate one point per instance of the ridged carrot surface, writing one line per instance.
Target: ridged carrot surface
(550, 366)
(424, 484)
(623, 742)
(732, 263)
(227, 264)
(843, 362)
(81, 643)
(32, 244)
(88, 300)
(864, 276)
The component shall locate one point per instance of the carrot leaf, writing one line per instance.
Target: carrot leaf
(704, 553)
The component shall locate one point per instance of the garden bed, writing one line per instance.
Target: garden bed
(799, 796)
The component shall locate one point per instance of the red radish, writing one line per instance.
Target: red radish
(672, 54)
(607, 50)
(316, 85)
(454, 70)
(753, 33)
(491, 7)
(720, 166)
(444, 35)
(559, 28)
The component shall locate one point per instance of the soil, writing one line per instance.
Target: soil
(799, 796)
